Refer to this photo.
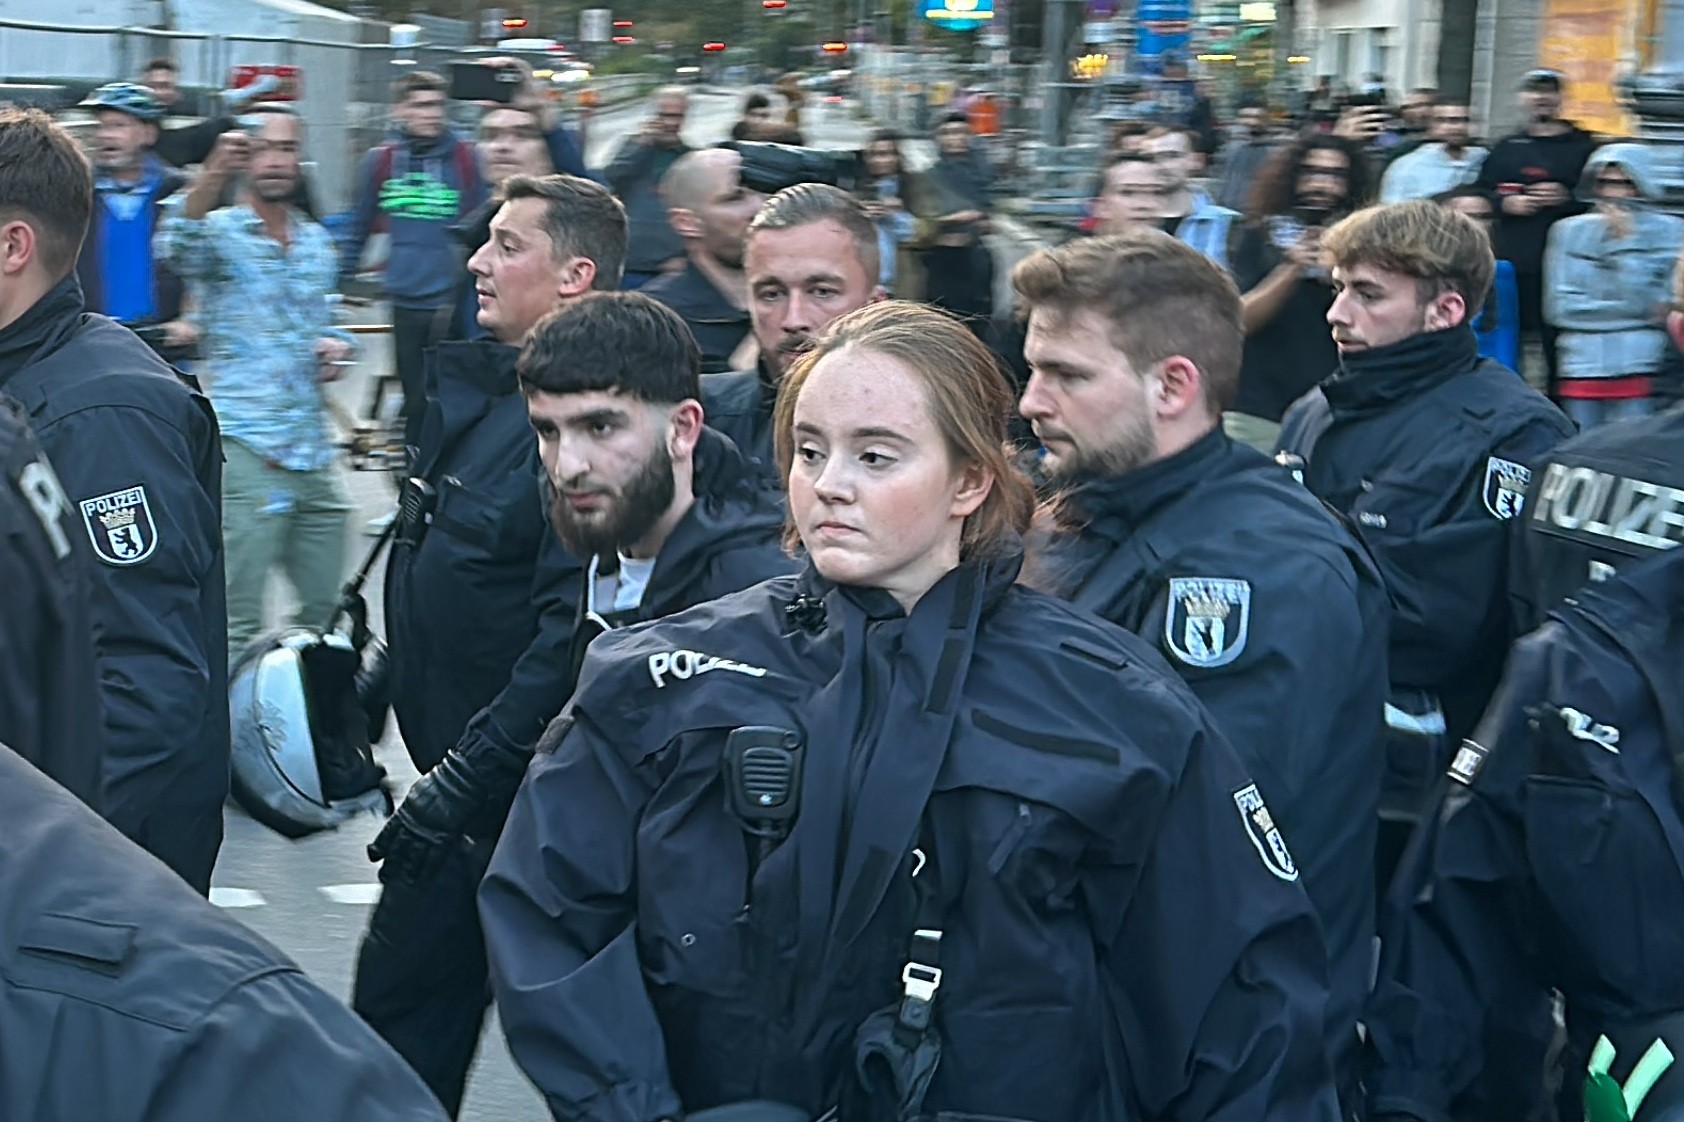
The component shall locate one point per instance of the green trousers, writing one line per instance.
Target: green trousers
(274, 518)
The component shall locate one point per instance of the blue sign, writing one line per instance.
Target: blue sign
(1165, 28)
(959, 15)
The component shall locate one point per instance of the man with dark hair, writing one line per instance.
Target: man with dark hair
(1243, 158)
(479, 619)
(1425, 448)
(710, 209)
(1445, 160)
(125, 996)
(1132, 189)
(1263, 602)
(636, 173)
(1534, 174)
(136, 446)
(120, 274)
(416, 186)
(1284, 284)
(810, 257)
(183, 146)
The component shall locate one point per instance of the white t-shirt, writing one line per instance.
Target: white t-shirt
(633, 582)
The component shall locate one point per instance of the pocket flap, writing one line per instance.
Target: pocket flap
(90, 943)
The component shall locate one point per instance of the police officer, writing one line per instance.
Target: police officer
(126, 998)
(1554, 860)
(479, 615)
(811, 255)
(49, 681)
(1425, 448)
(1258, 597)
(902, 816)
(1603, 499)
(137, 448)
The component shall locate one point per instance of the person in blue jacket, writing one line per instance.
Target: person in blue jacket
(138, 450)
(898, 836)
(1205, 547)
(1426, 449)
(1497, 324)
(125, 997)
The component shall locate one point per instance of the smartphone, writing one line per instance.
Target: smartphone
(471, 81)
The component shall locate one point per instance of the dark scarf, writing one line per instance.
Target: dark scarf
(42, 328)
(1369, 381)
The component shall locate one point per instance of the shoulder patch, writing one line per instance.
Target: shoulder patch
(1264, 834)
(120, 526)
(1208, 620)
(1465, 768)
(1505, 487)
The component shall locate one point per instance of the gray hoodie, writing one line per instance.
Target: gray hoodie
(1603, 293)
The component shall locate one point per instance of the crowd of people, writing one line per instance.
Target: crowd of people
(835, 704)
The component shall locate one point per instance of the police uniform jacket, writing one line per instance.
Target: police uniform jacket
(479, 615)
(1425, 449)
(1276, 618)
(137, 448)
(49, 680)
(124, 997)
(739, 404)
(1598, 502)
(1122, 934)
(1555, 857)
(718, 325)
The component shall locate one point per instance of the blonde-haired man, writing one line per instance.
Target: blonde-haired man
(1425, 447)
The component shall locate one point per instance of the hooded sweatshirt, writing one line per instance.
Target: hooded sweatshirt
(416, 190)
(1603, 291)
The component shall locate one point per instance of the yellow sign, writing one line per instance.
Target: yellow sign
(1593, 43)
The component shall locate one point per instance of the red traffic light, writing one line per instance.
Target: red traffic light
(835, 48)
(622, 40)
(622, 23)
(513, 23)
(715, 46)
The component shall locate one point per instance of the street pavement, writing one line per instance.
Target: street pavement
(312, 897)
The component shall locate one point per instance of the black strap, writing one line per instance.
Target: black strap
(351, 604)
(921, 977)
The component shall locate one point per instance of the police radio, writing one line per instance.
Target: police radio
(763, 783)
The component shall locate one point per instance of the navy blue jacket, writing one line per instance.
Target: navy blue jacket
(125, 997)
(1598, 502)
(479, 617)
(49, 679)
(138, 450)
(1276, 618)
(1554, 858)
(1124, 937)
(718, 325)
(1425, 449)
(739, 404)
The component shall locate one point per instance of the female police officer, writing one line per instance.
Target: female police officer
(897, 836)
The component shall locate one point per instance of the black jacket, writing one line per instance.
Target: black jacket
(718, 325)
(1556, 846)
(1276, 618)
(1598, 502)
(479, 617)
(125, 997)
(138, 450)
(739, 404)
(1425, 448)
(1521, 160)
(49, 679)
(1122, 937)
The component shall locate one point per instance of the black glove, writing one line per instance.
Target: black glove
(431, 820)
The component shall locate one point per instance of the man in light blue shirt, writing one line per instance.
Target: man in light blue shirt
(264, 275)
(1445, 162)
(1188, 212)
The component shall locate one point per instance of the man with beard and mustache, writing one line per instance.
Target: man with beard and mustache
(1446, 162)
(1284, 285)
(263, 274)
(479, 602)
(710, 209)
(1256, 595)
(1425, 448)
(1185, 209)
(811, 257)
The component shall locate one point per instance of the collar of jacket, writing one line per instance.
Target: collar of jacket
(484, 364)
(41, 328)
(1372, 380)
(1114, 506)
(990, 577)
(694, 297)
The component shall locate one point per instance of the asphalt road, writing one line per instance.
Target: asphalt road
(312, 897)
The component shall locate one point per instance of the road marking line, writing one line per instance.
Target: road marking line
(352, 893)
(236, 898)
